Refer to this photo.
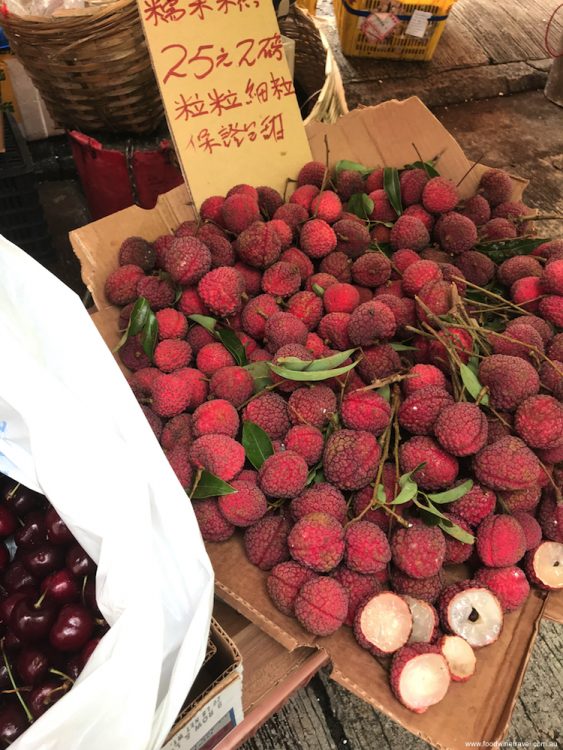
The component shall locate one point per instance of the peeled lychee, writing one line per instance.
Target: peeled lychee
(460, 657)
(471, 611)
(383, 623)
(424, 620)
(419, 677)
(544, 566)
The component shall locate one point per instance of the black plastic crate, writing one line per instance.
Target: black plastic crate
(21, 215)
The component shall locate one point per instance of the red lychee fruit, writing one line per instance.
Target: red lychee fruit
(496, 186)
(374, 180)
(307, 441)
(456, 550)
(190, 303)
(551, 308)
(500, 541)
(544, 566)
(527, 292)
(255, 314)
(121, 285)
(283, 474)
(270, 412)
(239, 211)
(303, 196)
(259, 245)
(265, 542)
(327, 206)
(232, 383)
(416, 275)
(367, 549)
(383, 623)
(337, 264)
(284, 328)
(297, 258)
(461, 429)
(215, 417)
(518, 267)
(210, 209)
(213, 357)
(460, 657)
(370, 322)
(402, 259)
(245, 506)
(284, 582)
(439, 196)
(349, 182)
(412, 183)
(475, 505)
(434, 299)
(312, 173)
(213, 525)
(509, 379)
(177, 430)
(520, 340)
(178, 458)
(508, 584)
(498, 229)
(507, 464)
(550, 517)
(314, 406)
(420, 676)
(283, 231)
(422, 376)
(475, 267)
(371, 269)
(333, 328)
(281, 279)
(179, 391)
(187, 260)
(292, 214)
(317, 238)
(350, 459)
(321, 280)
(410, 232)
(352, 237)
(418, 212)
(457, 338)
(358, 587)
(440, 468)
(172, 354)
(530, 527)
(552, 280)
(418, 551)
(172, 324)
(365, 410)
(539, 421)
(551, 377)
(457, 233)
(320, 498)
(470, 610)
(321, 605)
(159, 292)
(477, 208)
(378, 362)
(161, 245)
(221, 291)
(340, 298)
(218, 454)
(427, 589)
(419, 411)
(317, 541)
(382, 208)
(141, 382)
(136, 251)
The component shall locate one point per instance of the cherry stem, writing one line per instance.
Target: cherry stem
(61, 674)
(83, 592)
(13, 683)
(39, 602)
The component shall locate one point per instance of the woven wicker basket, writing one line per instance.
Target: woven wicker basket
(92, 67)
(316, 72)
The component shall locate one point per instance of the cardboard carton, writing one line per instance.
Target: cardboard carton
(384, 136)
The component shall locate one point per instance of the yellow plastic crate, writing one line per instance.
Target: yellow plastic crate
(353, 18)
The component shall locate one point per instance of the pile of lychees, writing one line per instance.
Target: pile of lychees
(367, 380)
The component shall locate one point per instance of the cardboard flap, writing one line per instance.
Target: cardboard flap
(97, 244)
(242, 585)
(383, 136)
(554, 607)
(487, 698)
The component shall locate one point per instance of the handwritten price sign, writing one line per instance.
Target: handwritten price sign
(227, 91)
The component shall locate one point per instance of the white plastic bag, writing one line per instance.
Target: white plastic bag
(71, 428)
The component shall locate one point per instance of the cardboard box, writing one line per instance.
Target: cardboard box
(382, 135)
(214, 705)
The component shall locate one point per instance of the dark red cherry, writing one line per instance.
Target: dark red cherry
(57, 530)
(72, 628)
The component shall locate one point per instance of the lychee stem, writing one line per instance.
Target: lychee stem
(471, 168)
(196, 481)
(326, 177)
(488, 293)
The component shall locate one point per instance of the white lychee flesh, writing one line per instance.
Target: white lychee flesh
(386, 622)
(547, 564)
(424, 681)
(424, 620)
(475, 615)
(460, 657)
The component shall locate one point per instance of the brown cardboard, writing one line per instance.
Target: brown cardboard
(374, 136)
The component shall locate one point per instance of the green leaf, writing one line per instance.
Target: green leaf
(499, 250)
(150, 335)
(139, 316)
(211, 486)
(310, 376)
(402, 347)
(380, 494)
(392, 188)
(205, 321)
(454, 530)
(404, 478)
(257, 445)
(351, 166)
(407, 493)
(319, 477)
(428, 167)
(361, 205)
(385, 392)
(260, 374)
(454, 494)
(471, 383)
(233, 344)
(430, 509)
(327, 363)
(293, 363)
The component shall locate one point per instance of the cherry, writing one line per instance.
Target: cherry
(72, 628)
(57, 530)
(23, 500)
(16, 577)
(4, 556)
(42, 560)
(7, 605)
(12, 642)
(33, 531)
(30, 621)
(8, 521)
(89, 649)
(13, 722)
(5, 683)
(61, 587)
(74, 666)
(32, 665)
(43, 696)
(79, 562)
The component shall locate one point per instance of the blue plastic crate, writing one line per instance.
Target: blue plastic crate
(4, 44)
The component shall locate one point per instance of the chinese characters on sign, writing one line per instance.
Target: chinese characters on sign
(227, 91)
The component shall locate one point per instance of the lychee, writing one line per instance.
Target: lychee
(326, 206)
(544, 566)
(259, 245)
(539, 421)
(340, 298)
(412, 182)
(297, 258)
(517, 267)
(419, 411)
(427, 589)
(420, 676)
(317, 238)
(320, 498)
(378, 362)
(460, 657)
(477, 209)
(496, 186)
(218, 454)
(461, 429)
(507, 464)
(422, 376)
(121, 285)
(312, 173)
(440, 468)
(137, 252)
(527, 293)
(352, 237)
(382, 208)
(457, 233)
(281, 279)
(337, 264)
(551, 308)
(307, 441)
(213, 357)
(457, 551)
(425, 620)
(509, 379)
(283, 474)
(470, 610)
(365, 410)
(317, 541)
(284, 582)
(215, 417)
(350, 458)
(371, 322)
(221, 290)
(367, 548)
(314, 406)
(439, 196)
(475, 505)
(213, 525)
(239, 211)
(232, 383)
(321, 606)
(531, 528)
(418, 551)
(333, 328)
(508, 584)
(265, 542)
(358, 586)
(284, 328)
(410, 232)
(475, 267)
(500, 541)
(383, 623)
(416, 275)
